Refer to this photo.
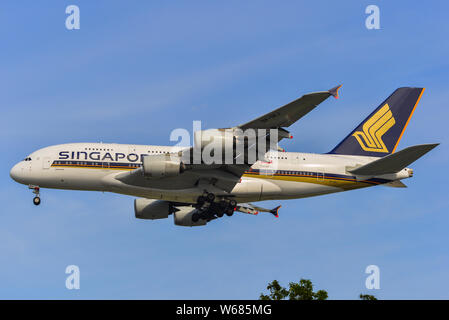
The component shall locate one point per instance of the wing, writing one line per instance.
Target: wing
(290, 113)
(223, 178)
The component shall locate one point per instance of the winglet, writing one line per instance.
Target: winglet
(275, 211)
(334, 91)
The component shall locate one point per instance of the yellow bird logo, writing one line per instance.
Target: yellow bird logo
(370, 139)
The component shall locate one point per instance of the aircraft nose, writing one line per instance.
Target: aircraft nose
(16, 173)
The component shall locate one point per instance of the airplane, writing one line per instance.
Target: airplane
(197, 193)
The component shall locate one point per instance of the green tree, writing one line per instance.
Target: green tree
(276, 292)
(303, 290)
(367, 297)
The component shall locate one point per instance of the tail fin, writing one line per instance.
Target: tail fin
(379, 134)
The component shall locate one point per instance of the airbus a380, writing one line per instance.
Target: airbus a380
(197, 193)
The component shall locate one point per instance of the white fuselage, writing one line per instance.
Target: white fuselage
(94, 166)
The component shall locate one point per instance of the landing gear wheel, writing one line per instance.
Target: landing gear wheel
(210, 197)
(201, 200)
(220, 214)
(195, 217)
(223, 205)
(233, 203)
(36, 201)
(229, 212)
(205, 215)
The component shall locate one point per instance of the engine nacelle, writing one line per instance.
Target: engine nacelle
(183, 217)
(228, 138)
(252, 143)
(214, 139)
(160, 166)
(151, 209)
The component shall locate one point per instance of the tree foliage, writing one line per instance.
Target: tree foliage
(367, 297)
(303, 290)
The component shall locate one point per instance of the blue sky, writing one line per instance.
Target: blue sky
(132, 73)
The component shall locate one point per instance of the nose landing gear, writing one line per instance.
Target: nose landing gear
(36, 199)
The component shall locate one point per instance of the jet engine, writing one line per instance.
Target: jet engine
(164, 165)
(222, 145)
(225, 144)
(214, 138)
(183, 217)
(228, 138)
(151, 209)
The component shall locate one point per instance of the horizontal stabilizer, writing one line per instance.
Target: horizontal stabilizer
(394, 162)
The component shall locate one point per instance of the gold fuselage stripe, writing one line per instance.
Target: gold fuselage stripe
(333, 181)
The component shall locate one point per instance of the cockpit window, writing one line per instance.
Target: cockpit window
(27, 159)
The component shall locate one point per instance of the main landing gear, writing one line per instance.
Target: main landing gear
(208, 209)
(36, 199)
